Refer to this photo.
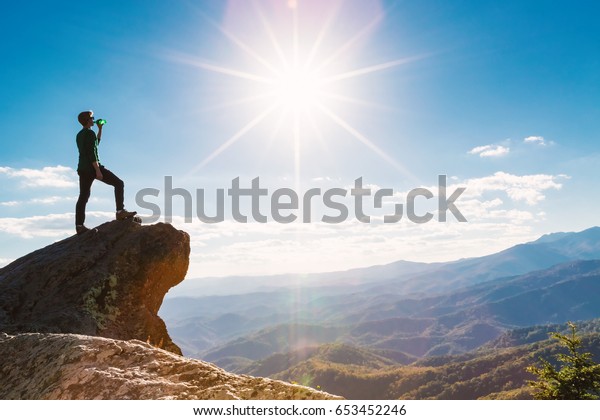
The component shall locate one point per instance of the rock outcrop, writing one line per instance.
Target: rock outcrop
(69, 366)
(110, 283)
(78, 320)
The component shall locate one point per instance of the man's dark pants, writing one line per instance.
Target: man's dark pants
(85, 184)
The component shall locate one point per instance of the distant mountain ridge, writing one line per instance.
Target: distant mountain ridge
(415, 277)
(545, 252)
(445, 308)
(445, 324)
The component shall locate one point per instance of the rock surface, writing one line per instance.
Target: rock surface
(78, 320)
(110, 284)
(69, 366)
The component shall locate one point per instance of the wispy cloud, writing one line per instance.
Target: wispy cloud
(525, 188)
(539, 140)
(49, 176)
(502, 209)
(48, 226)
(51, 225)
(529, 189)
(490, 150)
(352, 245)
(5, 261)
(10, 203)
(55, 199)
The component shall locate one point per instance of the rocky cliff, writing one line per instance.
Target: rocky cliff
(69, 366)
(78, 320)
(110, 284)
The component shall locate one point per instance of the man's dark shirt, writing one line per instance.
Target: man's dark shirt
(87, 143)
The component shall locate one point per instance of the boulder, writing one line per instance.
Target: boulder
(108, 283)
(69, 366)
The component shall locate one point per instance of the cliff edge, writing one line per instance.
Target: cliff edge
(78, 320)
(69, 366)
(110, 284)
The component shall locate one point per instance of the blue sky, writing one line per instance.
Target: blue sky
(502, 97)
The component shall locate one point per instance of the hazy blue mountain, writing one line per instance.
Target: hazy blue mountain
(413, 277)
(426, 309)
(545, 252)
(236, 285)
(466, 319)
(445, 324)
(282, 338)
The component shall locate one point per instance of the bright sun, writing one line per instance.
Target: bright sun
(297, 89)
(296, 79)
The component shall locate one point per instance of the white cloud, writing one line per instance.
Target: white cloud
(49, 176)
(9, 203)
(539, 140)
(526, 188)
(5, 261)
(359, 245)
(50, 225)
(529, 189)
(52, 200)
(231, 248)
(325, 179)
(489, 150)
(496, 207)
(55, 199)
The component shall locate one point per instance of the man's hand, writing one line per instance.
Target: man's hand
(99, 135)
(98, 171)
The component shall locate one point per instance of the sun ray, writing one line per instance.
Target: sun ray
(295, 34)
(360, 137)
(296, 151)
(255, 121)
(192, 61)
(279, 123)
(321, 36)
(295, 85)
(270, 34)
(350, 42)
(241, 101)
(242, 45)
(355, 101)
(281, 117)
(318, 133)
(373, 69)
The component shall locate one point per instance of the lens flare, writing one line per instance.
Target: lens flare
(290, 72)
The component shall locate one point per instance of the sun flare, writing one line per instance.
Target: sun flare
(296, 79)
(297, 89)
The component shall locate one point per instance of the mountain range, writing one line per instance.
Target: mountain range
(494, 371)
(400, 314)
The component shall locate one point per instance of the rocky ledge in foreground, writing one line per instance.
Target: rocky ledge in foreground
(110, 284)
(69, 366)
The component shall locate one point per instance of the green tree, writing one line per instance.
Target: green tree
(578, 377)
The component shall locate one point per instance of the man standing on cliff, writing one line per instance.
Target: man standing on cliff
(89, 168)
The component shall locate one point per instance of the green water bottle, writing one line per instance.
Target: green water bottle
(100, 122)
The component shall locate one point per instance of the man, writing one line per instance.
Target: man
(89, 168)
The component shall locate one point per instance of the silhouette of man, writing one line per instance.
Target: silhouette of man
(89, 169)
